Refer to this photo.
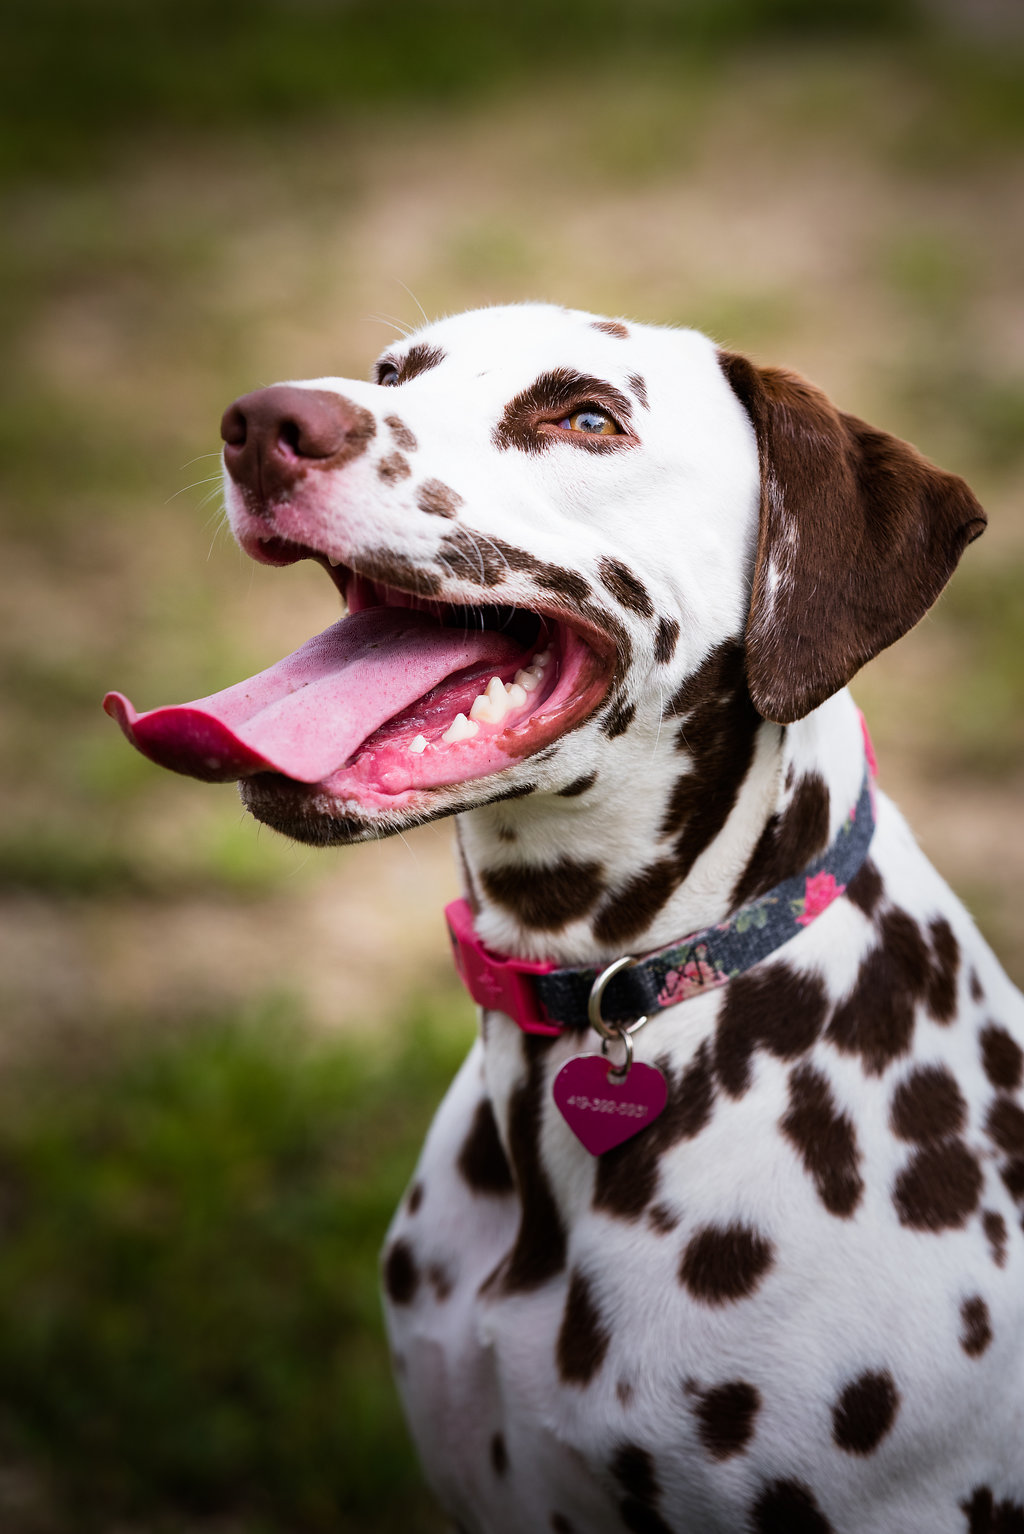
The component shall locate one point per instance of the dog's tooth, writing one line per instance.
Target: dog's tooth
(496, 694)
(529, 681)
(541, 658)
(418, 744)
(460, 728)
(334, 563)
(515, 694)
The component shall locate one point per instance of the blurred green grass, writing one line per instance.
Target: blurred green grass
(189, 1313)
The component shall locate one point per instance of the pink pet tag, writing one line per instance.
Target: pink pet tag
(603, 1107)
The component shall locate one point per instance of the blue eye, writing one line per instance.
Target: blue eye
(594, 422)
(387, 375)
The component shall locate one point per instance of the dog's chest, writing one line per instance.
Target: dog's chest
(772, 1289)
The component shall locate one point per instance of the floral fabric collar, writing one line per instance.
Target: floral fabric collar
(545, 999)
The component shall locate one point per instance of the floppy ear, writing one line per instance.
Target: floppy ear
(858, 536)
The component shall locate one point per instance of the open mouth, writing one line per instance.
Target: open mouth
(405, 693)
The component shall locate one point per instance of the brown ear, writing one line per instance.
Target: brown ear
(858, 536)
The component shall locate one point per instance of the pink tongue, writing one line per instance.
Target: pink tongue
(305, 716)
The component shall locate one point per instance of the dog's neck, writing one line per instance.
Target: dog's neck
(685, 823)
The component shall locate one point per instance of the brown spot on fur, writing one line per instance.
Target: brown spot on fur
(520, 791)
(627, 589)
(415, 1198)
(941, 993)
(611, 328)
(401, 1273)
(404, 438)
(627, 1175)
(725, 1418)
(393, 468)
(418, 359)
(938, 1188)
(438, 499)
(865, 1412)
(976, 1333)
(624, 1392)
(987, 1516)
(582, 1337)
(863, 531)
(927, 1105)
(865, 889)
(546, 896)
(565, 582)
(876, 1021)
(1013, 1179)
(632, 907)
(618, 719)
(663, 1219)
(772, 1007)
(718, 728)
(1004, 1125)
(528, 421)
(540, 1245)
(440, 1280)
(1002, 1057)
(789, 841)
(472, 558)
(665, 640)
(825, 1140)
(578, 786)
(639, 388)
(633, 1468)
(996, 1234)
(499, 1454)
(977, 989)
(395, 569)
(788, 1507)
(482, 1161)
(722, 1264)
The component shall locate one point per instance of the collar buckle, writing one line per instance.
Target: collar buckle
(502, 984)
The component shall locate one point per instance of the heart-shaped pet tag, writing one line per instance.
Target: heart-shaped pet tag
(602, 1112)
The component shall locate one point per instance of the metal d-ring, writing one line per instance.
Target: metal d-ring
(611, 1031)
(618, 1073)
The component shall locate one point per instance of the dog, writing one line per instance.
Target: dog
(758, 1266)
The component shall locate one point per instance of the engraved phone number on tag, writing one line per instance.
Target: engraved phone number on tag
(609, 1105)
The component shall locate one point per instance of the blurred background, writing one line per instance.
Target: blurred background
(216, 1062)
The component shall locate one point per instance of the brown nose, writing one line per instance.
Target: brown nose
(272, 436)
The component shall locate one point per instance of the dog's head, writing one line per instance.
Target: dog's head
(542, 523)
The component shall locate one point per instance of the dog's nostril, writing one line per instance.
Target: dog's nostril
(233, 426)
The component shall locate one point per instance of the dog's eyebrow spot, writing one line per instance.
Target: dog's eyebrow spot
(437, 498)
(418, 359)
(611, 328)
(561, 390)
(404, 438)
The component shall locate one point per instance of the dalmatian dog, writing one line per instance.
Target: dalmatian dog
(760, 1266)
